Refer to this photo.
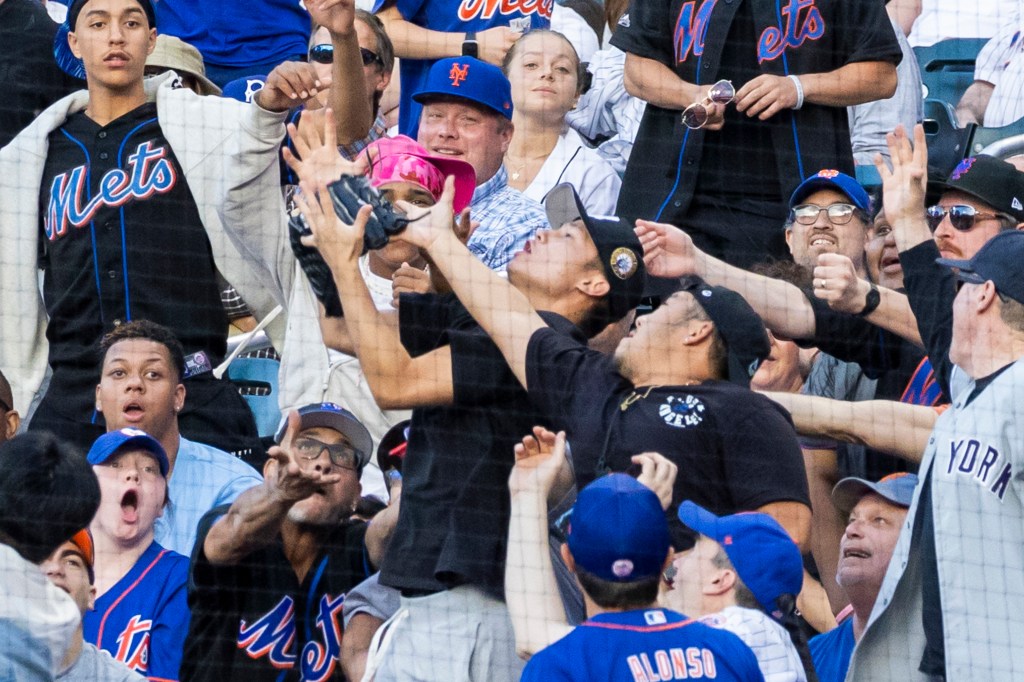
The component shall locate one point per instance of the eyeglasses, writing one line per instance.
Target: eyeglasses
(324, 54)
(838, 214)
(341, 455)
(961, 217)
(696, 115)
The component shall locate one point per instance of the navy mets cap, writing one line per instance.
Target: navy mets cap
(66, 59)
(742, 331)
(898, 488)
(618, 248)
(832, 179)
(999, 260)
(331, 416)
(109, 444)
(469, 79)
(618, 531)
(762, 552)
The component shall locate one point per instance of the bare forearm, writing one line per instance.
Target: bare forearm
(895, 315)
(252, 522)
(347, 96)
(654, 82)
(850, 84)
(415, 42)
(531, 590)
(379, 532)
(972, 105)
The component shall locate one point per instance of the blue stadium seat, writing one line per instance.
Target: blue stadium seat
(947, 67)
(257, 382)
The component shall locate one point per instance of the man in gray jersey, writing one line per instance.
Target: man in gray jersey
(953, 598)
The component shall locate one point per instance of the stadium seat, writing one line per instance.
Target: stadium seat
(257, 382)
(947, 67)
(947, 142)
(1002, 142)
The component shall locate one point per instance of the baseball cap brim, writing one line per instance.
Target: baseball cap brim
(843, 183)
(114, 442)
(699, 519)
(849, 491)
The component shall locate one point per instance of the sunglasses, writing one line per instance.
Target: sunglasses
(341, 455)
(324, 54)
(961, 217)
(696, 115)
(838, 214)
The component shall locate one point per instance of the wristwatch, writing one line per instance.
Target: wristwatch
(470, 48)
(871, 301)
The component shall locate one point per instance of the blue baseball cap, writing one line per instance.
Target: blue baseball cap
(999, 261)
(832, 179)
(332, 416)
(109, 444)
(245, 88)
(764, 556)
(470, 79)
(898, 488)
(618, 531)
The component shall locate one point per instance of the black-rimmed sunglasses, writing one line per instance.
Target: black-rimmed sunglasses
(324, 54)
(961, 216)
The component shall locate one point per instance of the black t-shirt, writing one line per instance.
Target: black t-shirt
(29, 77)
(254, 621)
(120, 239)
(736, 450)
(693, 40)
(453, 524)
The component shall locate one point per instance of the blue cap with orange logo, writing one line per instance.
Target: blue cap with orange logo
(470, 79)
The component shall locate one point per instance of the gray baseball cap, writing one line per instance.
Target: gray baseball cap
(897, 488)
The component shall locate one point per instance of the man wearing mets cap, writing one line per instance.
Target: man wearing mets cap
(875, 514)
(271, 571)
(618, 546)
(70, 568)
(467, 114)
(829, 212)
(957, 567)
(743, 576)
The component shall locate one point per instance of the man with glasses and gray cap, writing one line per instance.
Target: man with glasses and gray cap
(270, 573)
(952, 603)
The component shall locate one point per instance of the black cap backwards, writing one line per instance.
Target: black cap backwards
(622, 257)
(741, 329)
(999, 261)
(990, 180)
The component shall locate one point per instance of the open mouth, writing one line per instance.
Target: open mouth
(856, 554)
(822, 241)
(130, 506)
(133, 411)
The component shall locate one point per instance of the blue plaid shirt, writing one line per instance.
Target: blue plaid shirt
(507, 221)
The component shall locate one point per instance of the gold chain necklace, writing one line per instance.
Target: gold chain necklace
(634, 396)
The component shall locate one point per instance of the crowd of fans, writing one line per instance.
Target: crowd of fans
(593, 357)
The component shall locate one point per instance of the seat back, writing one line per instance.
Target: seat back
(947, 67)
(256, 379)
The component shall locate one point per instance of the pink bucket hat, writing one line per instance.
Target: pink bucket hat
(402, 159)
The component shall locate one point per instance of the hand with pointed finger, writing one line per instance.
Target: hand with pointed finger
(657, 473)
(289, 85)
(339, 244)
(289, 480)
(316, 159)
(540, 462)
(766, 96)
(668, 251)
(836, 281)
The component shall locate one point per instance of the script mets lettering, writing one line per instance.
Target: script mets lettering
(691, 28)
(319, 660)
(691, 663)
(486, 9)
(133, 644)
(149, 172)
(272, 635)
(971, 458)
(799, 26)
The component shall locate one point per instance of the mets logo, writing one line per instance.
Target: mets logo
(828, 173)
(690, 29)
(458, 73)
(486, 9)
(962, 168)
(133, 644)
(801, 21)
(272, 636)
(149, 173)
(682, 412)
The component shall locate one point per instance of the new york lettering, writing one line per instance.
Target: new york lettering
(486, 9)
(774, 41)
(972, 458)
(149, 172)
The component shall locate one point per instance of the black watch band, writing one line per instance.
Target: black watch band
(871, 301)
(470, 48)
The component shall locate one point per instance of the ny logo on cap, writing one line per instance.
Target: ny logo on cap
(962, 168)
(827, 173)
(459, 73)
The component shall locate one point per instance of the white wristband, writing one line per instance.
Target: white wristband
(799, 90)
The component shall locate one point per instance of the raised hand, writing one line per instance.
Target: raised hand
(337, 16)
(904, 186)
(668, 251)
(316, 159)
(494, 43)
(289, 481)
(289, 85)
(540, 462)
(339, 244)
(836, 281)
(657, 473)
(425, 224)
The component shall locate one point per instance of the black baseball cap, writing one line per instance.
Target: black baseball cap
(999, 260)
(741, 329)
(618, 248)
(392, 447)
(988, 179)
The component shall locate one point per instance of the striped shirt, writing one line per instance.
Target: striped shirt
(507, 221)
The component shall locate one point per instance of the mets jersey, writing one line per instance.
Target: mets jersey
(644, 646)
(142, 620)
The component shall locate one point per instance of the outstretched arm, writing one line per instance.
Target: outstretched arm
(347, 95)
